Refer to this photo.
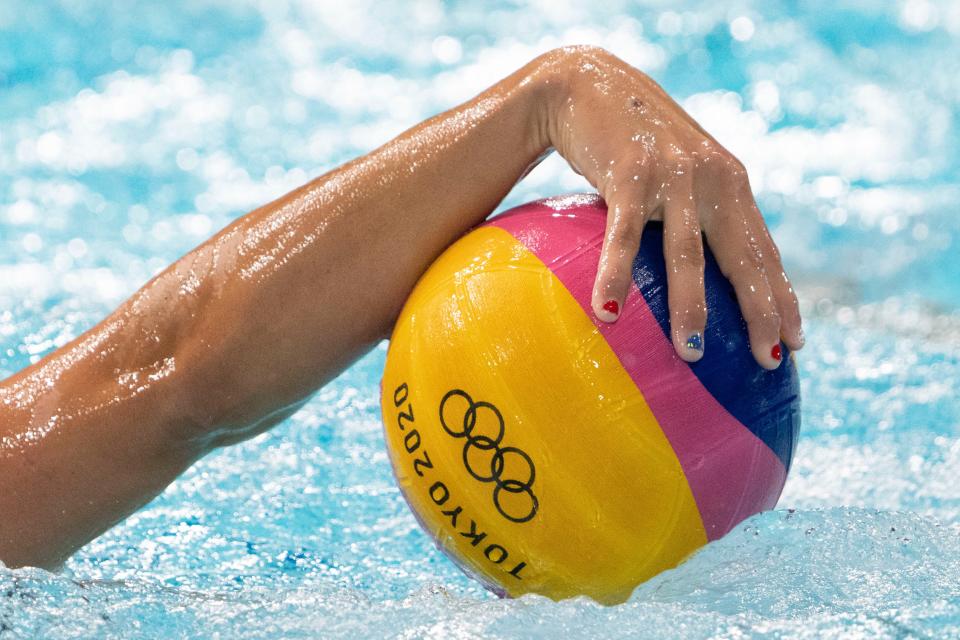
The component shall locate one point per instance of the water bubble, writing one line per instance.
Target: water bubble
(77, 247)
(32, 243)
(187, 159)
(21, 212)
(742, 28)
(49, 147)
(919, 15)
(669, 23)
(447, 50)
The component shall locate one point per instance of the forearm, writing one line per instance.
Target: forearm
(295, 291)
(233, 336)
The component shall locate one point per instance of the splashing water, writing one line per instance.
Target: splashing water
(124, 150)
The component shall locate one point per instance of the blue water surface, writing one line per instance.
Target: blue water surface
(129, 132)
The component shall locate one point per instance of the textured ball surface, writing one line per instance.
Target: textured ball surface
(548, 452)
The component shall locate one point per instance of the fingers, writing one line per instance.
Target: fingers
(626, 216)
(738, 251)
(791, 329)
(791, 326)
(683, 252)
(745, 252)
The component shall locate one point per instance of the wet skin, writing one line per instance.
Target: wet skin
(235, 336)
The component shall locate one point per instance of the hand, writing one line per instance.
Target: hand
(651, 161)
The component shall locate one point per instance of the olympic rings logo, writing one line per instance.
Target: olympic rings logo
(481, 445)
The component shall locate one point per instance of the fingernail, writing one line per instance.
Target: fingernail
(695, 341)
(612, 306)
(776, 353)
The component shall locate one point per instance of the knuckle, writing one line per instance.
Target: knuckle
(753, 257)
(691, 246)
(626, 240)
(708, 148)
(771, 324)
(756, 299)
(686, 252)
(627, 211)
(635, 163)
(671, 153)
(790, 321)
(634, 223)
(687, 307)
(749, 264)
(791, 310)
(765, 326)
(772, 250)
(727, 272)
(719, 159)
(613, 277)
(691, 318)
(729, 161)
(676, 160)
(686, 295)
(711, 154)
(736, 172)
(763, 315)
(692, 314)
(680, 166)
(632, 171)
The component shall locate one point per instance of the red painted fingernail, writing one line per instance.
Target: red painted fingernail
(612, 307)
(776, 352)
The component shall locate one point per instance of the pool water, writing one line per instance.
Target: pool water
(128, 136)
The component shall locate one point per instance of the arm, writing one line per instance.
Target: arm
(237, 334)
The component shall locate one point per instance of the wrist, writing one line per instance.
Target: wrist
(555, 75)
(547, 79)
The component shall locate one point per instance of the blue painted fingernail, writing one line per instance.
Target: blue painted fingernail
(695, 341)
